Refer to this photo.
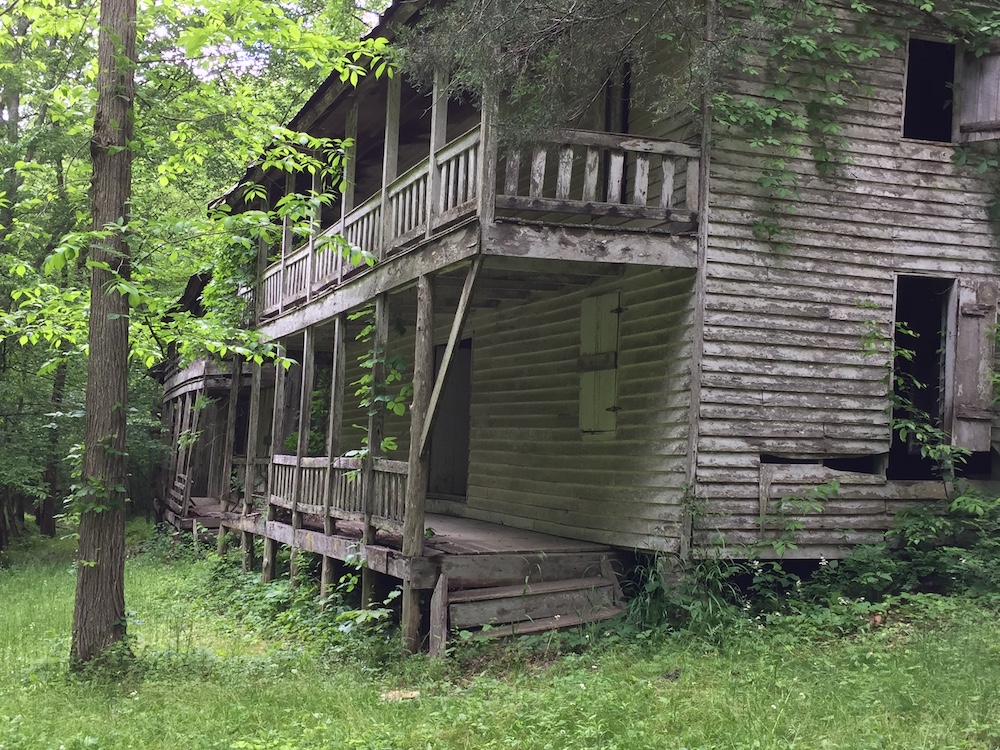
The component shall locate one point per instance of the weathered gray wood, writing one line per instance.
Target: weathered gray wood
(640, 189)
(439, 128)
(333, 429)
(537, 177)
(626, 143)
(667, 183)
(458, 324)
(591, 173)
(449, 250)
(302, 443)
(616, 177)
(376, 427)
(512, 173)
(278, 417)
(390, 157)
(439, 618)
(609, 208)
(564, 177)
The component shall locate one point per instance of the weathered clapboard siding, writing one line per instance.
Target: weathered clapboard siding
(530, 465)
(783, 372)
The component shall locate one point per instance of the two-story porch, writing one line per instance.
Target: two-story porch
(542, 300)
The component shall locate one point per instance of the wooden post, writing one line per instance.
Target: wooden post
(416, 478)
(333, 428)
(230, 446)
(439, 617)
(350, 172)
(390, 159)
(194, 450)
(250, 470)
(262, 248)
(302, 446)
(454, 338)
(278, 420)
(487, 193)
(287, 240)
(376, 428)
(439, 136)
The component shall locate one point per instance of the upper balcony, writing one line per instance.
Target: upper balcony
(583, 188)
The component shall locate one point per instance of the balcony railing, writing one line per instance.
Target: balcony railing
(337, 488)
(598, 175)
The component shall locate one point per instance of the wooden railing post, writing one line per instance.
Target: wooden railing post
(250, 470)
(350, 174)
(376, 429)
(277, 422)
(225, 499)
(286, 242)
(390, 160)
(302, 445)
(487, 162)
(332, 444)
(439, 135)
(416, 478)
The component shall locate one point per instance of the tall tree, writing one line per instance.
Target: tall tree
(99, 614)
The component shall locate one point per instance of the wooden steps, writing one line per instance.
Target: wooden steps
(552, 595)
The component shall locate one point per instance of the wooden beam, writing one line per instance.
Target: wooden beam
(350, 174)
(439, 617)
(461, 314)
(602, 246)
(225, 499)
(438, 138)
(302, 445)
(416, 478)
(376, 429)
(390, 156)
(333, 427)
(277, 421)
(250, 470)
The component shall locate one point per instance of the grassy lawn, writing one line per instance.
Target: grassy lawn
(914, 682)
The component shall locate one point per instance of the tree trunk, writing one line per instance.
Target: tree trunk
(99, 615)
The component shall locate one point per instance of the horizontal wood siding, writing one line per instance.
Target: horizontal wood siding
(532, 467)
(783, 368)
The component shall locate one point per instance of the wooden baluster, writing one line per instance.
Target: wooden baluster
(667, 186)
(591, 171)
(641, 189)
(537, 183)
(277, 421)
(512, 173)
(616, 176)
(565, 175)
(473, 157)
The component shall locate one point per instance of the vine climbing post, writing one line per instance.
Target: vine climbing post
(99, 612)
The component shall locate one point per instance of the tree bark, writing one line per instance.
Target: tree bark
(99, 615)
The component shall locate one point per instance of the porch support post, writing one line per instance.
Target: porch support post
(287, 241)
(225, 499)
(416, 478)
(439, 135)
(250, 470)
(350, 174)
(454, 338)
(487, 194)
(302, 446)
(333, 428)
(376, 430)
(278, 420)
(390, 159)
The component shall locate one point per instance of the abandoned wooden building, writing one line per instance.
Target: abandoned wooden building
(605, 349)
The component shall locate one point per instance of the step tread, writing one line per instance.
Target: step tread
(543, 624)
(530, 589)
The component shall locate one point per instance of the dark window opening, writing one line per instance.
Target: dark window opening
(767, 458)
(857, 464)
(930, 84)
(918, 374)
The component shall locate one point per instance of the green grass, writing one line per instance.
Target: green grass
(932, 682)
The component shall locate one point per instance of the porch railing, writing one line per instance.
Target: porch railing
(342, 478)
(600, 175)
